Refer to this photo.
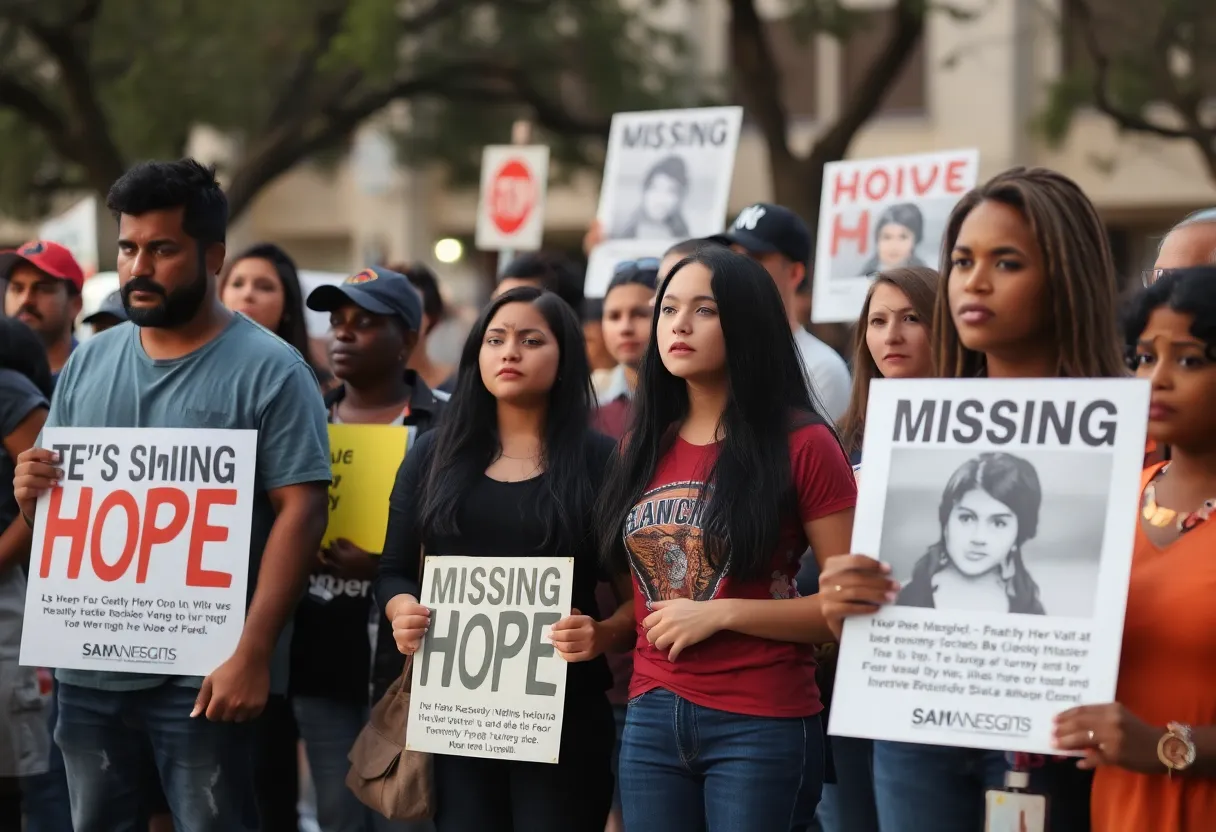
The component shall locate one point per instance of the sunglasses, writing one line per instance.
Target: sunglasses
(641, 264)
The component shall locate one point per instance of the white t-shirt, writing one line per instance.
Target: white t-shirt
(829, 374)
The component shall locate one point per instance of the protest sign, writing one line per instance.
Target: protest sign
(511, 209)
(666, 178)
(1007, 512)
(140, 557)
(365, 459)
(878, 214)
(487, 681)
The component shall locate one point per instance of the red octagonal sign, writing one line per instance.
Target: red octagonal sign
(512, 196)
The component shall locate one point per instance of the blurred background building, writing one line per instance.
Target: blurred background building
(978, 82)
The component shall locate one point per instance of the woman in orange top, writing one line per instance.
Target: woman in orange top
(1155, 749)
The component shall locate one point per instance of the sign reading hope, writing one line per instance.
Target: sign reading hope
(488, 681)
(154, 519)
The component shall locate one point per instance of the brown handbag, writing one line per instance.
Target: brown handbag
(386, 776)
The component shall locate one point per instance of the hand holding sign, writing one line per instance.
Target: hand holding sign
(34, 475)
(348, 561)
(1110, 735)
(578, 637)
(853, 585)
(410, 622)
(680, 623)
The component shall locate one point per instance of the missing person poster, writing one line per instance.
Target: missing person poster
(666, 179)
(140, 557)
(365, 459)
(487, 681)
(1007, 512)
(881, 214)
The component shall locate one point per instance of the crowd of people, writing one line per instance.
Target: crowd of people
(702, 639)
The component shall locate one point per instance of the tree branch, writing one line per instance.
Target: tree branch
(757, 79)
(89, 131)
(1124, 119)
(31, 106)
(861, 106)
(326, 26)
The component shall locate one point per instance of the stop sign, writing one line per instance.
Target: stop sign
(512, 196)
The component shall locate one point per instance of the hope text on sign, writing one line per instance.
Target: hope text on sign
(140, 557)
(487, 681)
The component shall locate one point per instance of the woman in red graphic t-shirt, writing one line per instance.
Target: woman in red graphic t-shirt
(729, 471)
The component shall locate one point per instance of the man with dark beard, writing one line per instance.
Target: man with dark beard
(188, 363)
(43, 292)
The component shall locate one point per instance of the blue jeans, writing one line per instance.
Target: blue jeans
(207, 768)
(690, 768)
(848, 804)
(45, 796)
(934, 787)
(329, 729)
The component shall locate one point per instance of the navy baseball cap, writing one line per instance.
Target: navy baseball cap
(111, 306)
(376, 289)
(765, 228)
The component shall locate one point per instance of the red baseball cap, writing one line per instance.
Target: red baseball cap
(47, 257)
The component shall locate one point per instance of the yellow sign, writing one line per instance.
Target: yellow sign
(365, 459)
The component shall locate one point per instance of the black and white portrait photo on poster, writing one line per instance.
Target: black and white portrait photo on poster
(667, 178)
(668, 172)
(996, 531)
(1006, 511)
(881, 214)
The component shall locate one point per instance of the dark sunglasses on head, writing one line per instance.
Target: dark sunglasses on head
(641, 264)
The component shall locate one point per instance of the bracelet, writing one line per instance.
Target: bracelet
(29, 521)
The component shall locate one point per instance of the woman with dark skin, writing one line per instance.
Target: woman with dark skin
(1028, 291)
(1154, 747)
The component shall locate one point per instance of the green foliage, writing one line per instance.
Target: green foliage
(157, 68)
(1135, 62)
(590, 57)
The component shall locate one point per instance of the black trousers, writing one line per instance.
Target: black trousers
(575, 795)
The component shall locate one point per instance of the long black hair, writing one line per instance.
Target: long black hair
(749, 488)
(467, 440)
(23, 352)
(1014, 482)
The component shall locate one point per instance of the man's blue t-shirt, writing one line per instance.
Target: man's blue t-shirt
(244, 379)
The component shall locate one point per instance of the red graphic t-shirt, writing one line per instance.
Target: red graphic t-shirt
(730, 671)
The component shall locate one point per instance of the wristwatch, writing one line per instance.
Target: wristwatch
(1176, 749)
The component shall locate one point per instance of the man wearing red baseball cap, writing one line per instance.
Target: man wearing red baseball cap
(43, 292)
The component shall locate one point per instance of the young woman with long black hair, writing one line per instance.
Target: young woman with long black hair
(513, 471)
(1028, 291)
(729, 471)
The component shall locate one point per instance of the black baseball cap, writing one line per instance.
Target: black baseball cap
(765, 228)
(111, 306)
(376, 289)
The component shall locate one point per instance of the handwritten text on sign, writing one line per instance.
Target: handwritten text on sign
(365, 459)
(140, 557)
(487, 681)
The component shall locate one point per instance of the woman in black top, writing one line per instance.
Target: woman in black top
(513, 471)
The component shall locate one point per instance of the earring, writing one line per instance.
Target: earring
(1009, 569)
